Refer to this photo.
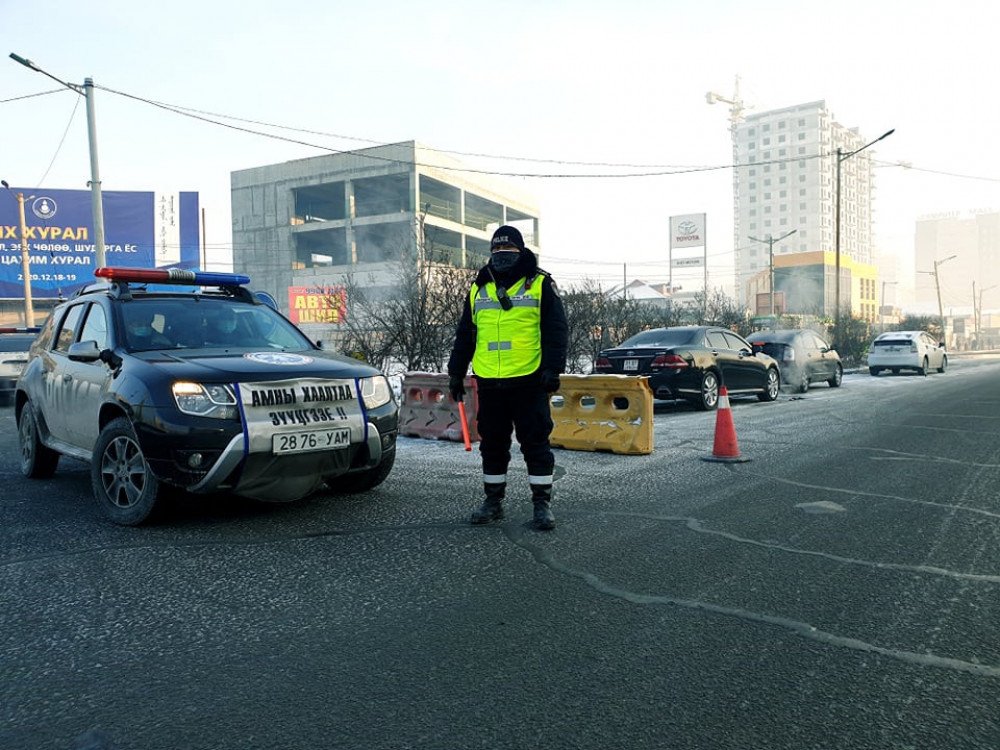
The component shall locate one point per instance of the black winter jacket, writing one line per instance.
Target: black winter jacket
(554, 330)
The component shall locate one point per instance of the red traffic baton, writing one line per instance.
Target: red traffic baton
(465, 426)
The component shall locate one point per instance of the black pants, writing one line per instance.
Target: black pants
(525, 411)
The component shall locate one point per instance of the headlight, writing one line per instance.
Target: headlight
(375, 391)
(217, 401)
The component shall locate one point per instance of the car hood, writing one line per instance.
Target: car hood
(225, 366)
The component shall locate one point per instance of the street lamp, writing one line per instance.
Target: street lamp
(937, 285)
(96, 202)
(770, 259)
(29, 309)
(842, 157)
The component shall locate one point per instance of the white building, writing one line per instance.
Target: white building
(974, 241)
(789, 182)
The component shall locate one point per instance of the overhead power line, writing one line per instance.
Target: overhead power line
(31, 96)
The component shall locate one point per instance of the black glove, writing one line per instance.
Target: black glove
(456, 386)
(550, 381)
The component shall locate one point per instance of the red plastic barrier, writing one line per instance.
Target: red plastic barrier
(428, 410)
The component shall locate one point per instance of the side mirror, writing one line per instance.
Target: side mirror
(319, 343)
(941, 345)
(84, 351)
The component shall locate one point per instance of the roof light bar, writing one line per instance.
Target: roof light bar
(171, 276)
(20, 330)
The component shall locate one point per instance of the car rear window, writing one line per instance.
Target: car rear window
(770, 348)
(661, 337)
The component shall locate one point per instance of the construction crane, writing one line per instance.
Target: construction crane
(737, 107)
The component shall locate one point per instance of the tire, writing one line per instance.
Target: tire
(803, 386)
(874, 370)
(944, 364)
(362, 481)
(124, 486)
(771, 386)
(838, 377)
(709, 391)
(37, 461)
(924, 368)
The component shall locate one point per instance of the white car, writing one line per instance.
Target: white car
(14, 345)
(907, 350)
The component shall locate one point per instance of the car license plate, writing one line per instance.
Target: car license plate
(631, 364)
(313, 440)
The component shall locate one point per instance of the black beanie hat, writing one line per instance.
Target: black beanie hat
(506, 235)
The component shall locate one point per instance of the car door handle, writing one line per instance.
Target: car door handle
(67, 377)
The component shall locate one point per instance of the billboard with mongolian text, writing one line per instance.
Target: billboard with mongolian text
(317, 304)
(141, 229)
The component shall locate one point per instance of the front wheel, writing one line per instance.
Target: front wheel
(944, 364)
(124, 487)
(37, 461)
(362, 481)
(772, 385)
(838, 377)
(709, 391)
(874, 370)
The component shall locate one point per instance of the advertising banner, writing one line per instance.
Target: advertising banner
(317, 304)
(687, 230)
(141, 229)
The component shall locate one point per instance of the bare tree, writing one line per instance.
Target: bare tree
(407, 319)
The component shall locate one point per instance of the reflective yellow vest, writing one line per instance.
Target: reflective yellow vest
(508, 342)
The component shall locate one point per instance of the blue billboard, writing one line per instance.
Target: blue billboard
(141, 229)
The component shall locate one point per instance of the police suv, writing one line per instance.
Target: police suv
(200, 386)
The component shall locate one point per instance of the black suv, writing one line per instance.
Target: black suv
(203, 389)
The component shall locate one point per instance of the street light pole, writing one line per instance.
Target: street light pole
(842, 157)
(770, 255)
(96, 200)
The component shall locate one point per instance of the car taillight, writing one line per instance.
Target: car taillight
(672, 361)
(602, 363)
(788, 355)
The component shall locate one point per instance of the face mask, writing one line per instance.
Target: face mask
(504, 260)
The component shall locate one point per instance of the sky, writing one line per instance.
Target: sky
(567, 82)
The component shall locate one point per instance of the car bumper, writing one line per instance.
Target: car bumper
(202, 456)
(894, 360)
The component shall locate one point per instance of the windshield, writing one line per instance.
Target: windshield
(206, 323)
(662, 337)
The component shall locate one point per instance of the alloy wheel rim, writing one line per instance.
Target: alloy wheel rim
(27, 438)
(711, 390)
(772, 383)
(123, 472)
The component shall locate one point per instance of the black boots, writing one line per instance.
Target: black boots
(492, 508)
(541, 497)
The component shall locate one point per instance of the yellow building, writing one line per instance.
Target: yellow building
(805, 283)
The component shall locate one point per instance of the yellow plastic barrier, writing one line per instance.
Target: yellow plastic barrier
(603, 413)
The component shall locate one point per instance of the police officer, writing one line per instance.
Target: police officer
(513, 331)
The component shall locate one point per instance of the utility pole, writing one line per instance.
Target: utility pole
(937, 285)
(29, 309)
(737, 107)
(842, 157)
(770, 255)
(96, 199)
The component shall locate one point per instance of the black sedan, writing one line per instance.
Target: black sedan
(803, 356)
(691, 362)
(205, 391)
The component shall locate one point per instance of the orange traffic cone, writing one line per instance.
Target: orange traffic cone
(726, 449)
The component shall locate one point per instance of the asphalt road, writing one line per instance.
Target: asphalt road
(841, 590)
